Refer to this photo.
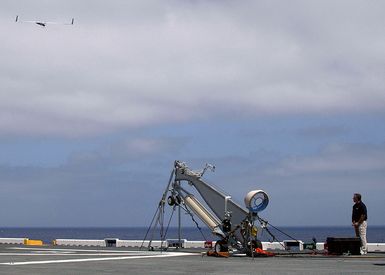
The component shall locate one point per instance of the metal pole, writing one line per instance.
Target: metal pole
(179, 225)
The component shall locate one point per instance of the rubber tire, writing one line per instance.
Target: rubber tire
(170, 201)
(221, 247)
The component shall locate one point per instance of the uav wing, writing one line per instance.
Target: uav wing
(43, 23)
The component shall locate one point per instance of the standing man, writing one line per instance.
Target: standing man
(359, 217)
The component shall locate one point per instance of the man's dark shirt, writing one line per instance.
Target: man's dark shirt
(358, 209)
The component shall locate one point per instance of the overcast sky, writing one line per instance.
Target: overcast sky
(284, 96)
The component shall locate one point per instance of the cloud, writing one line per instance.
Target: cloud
(94, 192)
(126, 176)
(303, 187)
(338, 158)
(133, 65)
(338, 166)
(322, 131)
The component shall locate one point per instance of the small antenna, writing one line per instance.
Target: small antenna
(207, 166)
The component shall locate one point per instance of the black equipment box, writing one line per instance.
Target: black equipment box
(339, 246)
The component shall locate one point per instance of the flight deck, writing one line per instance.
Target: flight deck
(19, 259)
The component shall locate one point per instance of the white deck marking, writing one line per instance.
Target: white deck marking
(80, 250)
(163, 255)
(67, 254)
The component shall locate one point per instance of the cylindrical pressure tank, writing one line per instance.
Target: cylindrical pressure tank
(201, 211)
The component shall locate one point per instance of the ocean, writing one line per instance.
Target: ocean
(375, 234)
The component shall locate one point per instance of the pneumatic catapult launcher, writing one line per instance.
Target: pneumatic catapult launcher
(230, 222)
